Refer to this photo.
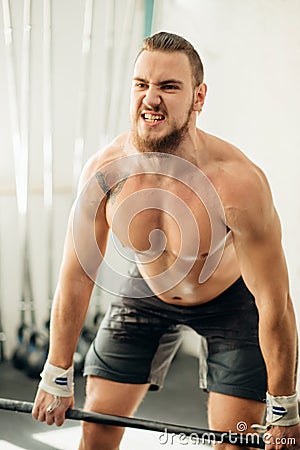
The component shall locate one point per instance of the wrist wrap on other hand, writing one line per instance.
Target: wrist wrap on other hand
(282, 410)
(57, 381)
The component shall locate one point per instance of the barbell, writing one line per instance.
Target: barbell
(248, 440)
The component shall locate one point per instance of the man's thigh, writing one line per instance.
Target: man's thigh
(108, 397)
(236, 414)
(111, 397)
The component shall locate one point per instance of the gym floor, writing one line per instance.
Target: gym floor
(180, 402)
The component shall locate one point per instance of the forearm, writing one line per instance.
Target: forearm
(67, 318)
(278, 342)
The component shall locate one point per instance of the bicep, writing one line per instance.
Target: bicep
(262, 262)
(87, 233)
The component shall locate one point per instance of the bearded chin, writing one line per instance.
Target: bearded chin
(166, 144)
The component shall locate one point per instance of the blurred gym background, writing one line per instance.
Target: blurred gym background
(65, 76)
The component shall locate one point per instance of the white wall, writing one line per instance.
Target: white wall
(250, 51)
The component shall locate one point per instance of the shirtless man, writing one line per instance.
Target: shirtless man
(200, 219)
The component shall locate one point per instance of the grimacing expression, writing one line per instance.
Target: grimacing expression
(162, 101)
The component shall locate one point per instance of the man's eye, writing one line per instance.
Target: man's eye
(141, 85)
(168, 87)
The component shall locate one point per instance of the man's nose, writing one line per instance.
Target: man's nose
(152, 98)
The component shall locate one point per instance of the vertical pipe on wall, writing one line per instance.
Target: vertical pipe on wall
(108, 65)
(13, 100)
(27, 289)
(148, 17)
(20, 139)
(24, 100)
(120, 69)
(48, 143)
(14, 114)
(82, 93)
(2, 332)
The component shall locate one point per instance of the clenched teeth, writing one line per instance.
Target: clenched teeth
(152, 117)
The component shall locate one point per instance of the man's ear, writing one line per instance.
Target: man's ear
(199, 97)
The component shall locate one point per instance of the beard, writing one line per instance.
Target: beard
(166, 144)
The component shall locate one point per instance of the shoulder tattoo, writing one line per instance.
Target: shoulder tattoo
(111, 192)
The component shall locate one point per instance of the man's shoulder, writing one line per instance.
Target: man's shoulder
(246, 193)
(226, 153)
(233, 170)
(241, 184)
(115, 150)
(103, 158)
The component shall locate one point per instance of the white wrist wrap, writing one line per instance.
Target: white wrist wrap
(57, 381)
(282, 411)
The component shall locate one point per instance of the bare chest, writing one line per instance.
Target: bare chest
(161, 218)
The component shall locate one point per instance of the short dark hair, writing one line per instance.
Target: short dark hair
(169, 42)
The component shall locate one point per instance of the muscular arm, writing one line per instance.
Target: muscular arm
(85, 245)
(84, 248)
(257, 239)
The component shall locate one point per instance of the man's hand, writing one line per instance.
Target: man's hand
(57, 416)
(281, 438)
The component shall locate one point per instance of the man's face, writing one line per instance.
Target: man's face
(162, 101)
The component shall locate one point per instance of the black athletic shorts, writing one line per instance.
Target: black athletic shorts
(139, 337)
